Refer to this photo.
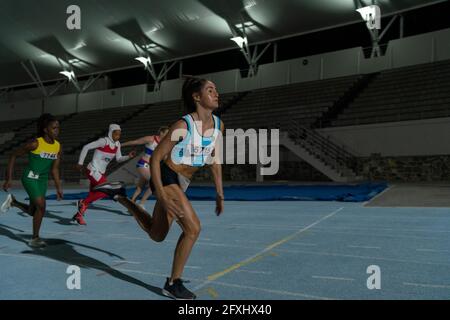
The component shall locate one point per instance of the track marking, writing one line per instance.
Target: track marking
(332, 254)
(304, 244)
(427, 285)
(324, 231)
(263, 252)
(254, 271)
(378, 195)
(111, 267)
(127, 262)
(433, 250)
(363, 247)
(333, 278)
(210, 291)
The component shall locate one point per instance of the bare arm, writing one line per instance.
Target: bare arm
(138, 142)
(21, 151)
(56, 177)
(216, 170)
(176, 131)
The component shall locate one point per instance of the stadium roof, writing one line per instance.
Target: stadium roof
(171, 29)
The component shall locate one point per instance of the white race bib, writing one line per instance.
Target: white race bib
(32, 175)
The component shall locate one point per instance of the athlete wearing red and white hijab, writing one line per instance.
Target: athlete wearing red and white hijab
(106, 149)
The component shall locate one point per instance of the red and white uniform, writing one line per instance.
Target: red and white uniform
(105, 151)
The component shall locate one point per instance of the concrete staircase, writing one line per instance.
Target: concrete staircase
(330, 159)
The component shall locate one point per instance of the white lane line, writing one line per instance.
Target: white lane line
(127, 262)
(332, 254)
(304, 244)
(250, 241)
(333, 278)
(23, 256)
(192, 267)
(317, 231)
(379, 195)
(253, 271)
(424, 285)
(131, 238)
(112, 267)
(363, 247)
(294, 204)
(108, 220)
(255, 226)
(47, 233)
(169, 241)
(433, 250)
(381, 228)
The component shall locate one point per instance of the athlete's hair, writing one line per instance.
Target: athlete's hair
(190, 86)
(43, 122)
(162, 129)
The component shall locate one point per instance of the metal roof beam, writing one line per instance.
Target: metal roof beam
(34, 75)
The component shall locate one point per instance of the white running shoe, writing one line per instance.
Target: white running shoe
(7, 204)
(112, 189)
(37, 243)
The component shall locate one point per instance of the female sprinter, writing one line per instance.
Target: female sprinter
(143, 167)
(106, 149)
(189, 145)
(44, 154)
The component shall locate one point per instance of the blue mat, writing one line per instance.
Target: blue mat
(346, 193)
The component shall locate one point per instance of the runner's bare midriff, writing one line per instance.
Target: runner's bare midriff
(184, 170)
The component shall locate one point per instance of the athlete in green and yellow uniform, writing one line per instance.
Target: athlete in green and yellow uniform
(44, 154)
(35, 176)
